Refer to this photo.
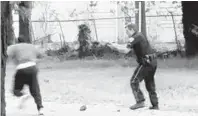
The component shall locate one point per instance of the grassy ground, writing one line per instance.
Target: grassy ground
(90, 62)
(103, 85)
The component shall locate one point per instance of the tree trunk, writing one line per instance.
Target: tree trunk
(190, 25)
(143, 17)
(11, 36)
(25, 21)
(6, 26)
(137, 14)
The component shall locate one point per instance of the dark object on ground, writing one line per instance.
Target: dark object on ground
(83, 108)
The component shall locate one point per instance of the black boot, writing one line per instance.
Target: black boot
(137, 106)
(154, 107)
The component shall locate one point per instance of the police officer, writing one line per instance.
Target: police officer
(147, 65)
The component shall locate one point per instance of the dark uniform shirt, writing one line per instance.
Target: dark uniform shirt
(140, 45)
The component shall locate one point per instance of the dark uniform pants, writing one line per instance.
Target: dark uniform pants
(28, 76)
(145, 73)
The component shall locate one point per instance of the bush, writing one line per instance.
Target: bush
(58, 52)
(104, 50)
(84, 40)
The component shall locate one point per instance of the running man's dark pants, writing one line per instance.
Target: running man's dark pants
(28, 76)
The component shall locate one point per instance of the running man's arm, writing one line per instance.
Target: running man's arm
(39, 54)
(11, 52)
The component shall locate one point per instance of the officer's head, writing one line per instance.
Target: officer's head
(131, 29)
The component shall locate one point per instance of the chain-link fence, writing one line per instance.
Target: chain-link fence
(107, 27)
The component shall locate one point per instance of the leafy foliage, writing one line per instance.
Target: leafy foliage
(84, 40)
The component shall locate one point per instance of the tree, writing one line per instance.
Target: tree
(45, 17)
(128, 10)
(190, 26)
(6, 25)
(137, 14)
(47, 14)
(143, 17)
(125, 7)
(84, 40)
(61, 28)
(24, 10)
(11, 35)
(92, 5)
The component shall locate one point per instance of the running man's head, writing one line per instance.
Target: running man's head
(21, 39)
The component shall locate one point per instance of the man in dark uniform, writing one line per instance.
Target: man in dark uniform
(146, 69)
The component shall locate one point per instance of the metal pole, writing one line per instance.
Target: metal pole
(140, 16)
